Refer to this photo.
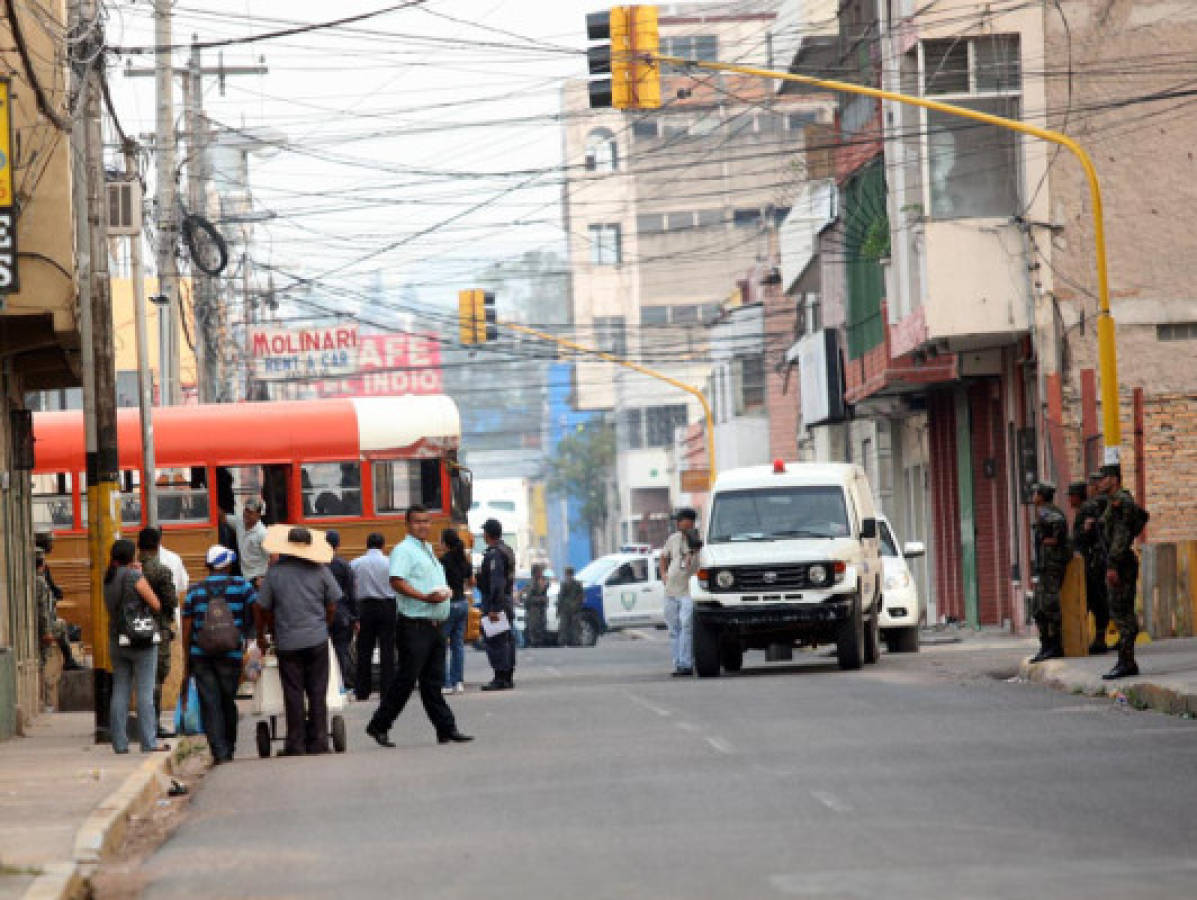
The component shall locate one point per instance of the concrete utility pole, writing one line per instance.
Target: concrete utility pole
(201, 282)
(168, 220)
(99, 370)
(144, 382)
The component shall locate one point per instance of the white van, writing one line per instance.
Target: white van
(791, 558)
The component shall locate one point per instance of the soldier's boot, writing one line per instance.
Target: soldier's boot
(1043, 639)
(1126, 665)
(1098, 646)
(1055, 643)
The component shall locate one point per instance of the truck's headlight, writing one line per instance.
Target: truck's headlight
(817, 574)
(894, 582)
(725, 579)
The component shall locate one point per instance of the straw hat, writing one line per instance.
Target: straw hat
(298, 540)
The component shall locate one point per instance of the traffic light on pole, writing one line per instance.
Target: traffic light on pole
(635, 80)
(471, 317)
(488, 327)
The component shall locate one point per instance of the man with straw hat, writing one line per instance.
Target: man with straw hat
(299, 595)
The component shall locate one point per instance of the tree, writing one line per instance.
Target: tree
(581, 469)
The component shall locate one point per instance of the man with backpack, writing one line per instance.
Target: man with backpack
(216, 616)
(1122, 522)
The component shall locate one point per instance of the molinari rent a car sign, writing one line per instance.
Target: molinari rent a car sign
(286, 354)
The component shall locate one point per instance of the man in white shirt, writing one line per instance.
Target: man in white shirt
(678, 562)
(250, 534)
(178, 571)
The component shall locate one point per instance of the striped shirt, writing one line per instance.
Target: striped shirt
(239, 595)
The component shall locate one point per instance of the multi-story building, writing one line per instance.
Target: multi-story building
(662, 209)
(39, 336)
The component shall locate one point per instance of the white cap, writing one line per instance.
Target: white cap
(219, 556)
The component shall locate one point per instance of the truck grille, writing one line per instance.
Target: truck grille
(770, 578)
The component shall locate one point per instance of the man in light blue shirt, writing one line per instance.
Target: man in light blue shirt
(376, 612)
(419, 583)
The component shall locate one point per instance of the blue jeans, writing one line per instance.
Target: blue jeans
(454, 631)
(131, 667)
(679, 617)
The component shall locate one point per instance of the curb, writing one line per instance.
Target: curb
(105, 827)
(1138, 692)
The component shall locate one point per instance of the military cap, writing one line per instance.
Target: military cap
(1111, 469)
(1078, 489)
(1046, 490)
(1095, 475)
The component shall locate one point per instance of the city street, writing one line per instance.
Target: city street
(600, 776)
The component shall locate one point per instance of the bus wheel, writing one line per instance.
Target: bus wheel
(587, 630)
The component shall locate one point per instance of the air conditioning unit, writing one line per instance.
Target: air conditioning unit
(124, 207)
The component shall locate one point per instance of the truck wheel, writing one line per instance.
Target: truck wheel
(587, 631)
(849, 641)
(706, 649)
(732, 656)
(872, 637)
(904, 640)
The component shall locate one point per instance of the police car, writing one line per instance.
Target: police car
(620, 590)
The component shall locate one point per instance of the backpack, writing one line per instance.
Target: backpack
(220, 633)
(136, 624)
(1136, 519)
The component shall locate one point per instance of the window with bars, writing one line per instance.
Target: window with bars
(605, 245)
(1176, 331)
(702, 47)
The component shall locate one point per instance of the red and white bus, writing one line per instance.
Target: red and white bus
(353, 464)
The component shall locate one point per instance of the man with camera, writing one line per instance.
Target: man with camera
(679, 560)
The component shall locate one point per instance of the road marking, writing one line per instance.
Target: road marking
(651, 707)
(721, 745)
(832, 802)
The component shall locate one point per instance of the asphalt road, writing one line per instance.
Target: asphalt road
(602, 777)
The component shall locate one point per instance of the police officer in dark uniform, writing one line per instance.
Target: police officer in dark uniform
(1120, 524)
(1052, 553)
(496, 581)
(1088, 507)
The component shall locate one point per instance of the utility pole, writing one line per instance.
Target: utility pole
(201, 283)
(168, 223)
(99, 371)
(144, 383)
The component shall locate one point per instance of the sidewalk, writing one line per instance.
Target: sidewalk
(1167, 679)
(65, 801)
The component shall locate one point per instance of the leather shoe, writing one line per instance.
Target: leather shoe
(455, 736)
(163, 733)
(379, 736)
(495, 685)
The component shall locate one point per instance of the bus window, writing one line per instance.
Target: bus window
(400, 483)
(331, 489)
(128, 498)
(52, 501)
(235, 485)
(183, 494)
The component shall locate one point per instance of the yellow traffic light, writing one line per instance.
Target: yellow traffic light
(635, 81)
(471, 317)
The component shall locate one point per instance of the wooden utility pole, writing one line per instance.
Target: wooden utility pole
(99, 370)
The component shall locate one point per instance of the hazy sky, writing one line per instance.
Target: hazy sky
(388, 125)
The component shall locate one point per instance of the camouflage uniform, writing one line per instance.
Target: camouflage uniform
(48, 623)
(1051, 561)
(569, 604)
(1121, 558)
(163, 585)
(1090, 543)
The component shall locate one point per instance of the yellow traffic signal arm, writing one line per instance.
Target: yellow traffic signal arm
(636, 367)
(1106, 346)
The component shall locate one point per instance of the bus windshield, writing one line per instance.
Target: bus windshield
(778, 513)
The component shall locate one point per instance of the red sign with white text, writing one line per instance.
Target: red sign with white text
(390, 365)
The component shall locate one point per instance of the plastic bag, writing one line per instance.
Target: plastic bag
(251, 669)
(187, 710)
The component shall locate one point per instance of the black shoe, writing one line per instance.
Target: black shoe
(1051, 651)
(455, 736)
(1123, 669)
(71, 666)
(497, 684)
(380, 736)
(682, 673)
(285, 752)
(163, 733)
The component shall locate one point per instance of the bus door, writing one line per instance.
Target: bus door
(236, 484)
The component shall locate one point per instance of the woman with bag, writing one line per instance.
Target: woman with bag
(459, 575)
(133, 646)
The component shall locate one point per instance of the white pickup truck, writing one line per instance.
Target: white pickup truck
(621, 590)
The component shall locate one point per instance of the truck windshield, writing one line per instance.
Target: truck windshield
(596, 571)
(777, 513)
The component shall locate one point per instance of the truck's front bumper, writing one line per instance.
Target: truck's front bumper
(774, 615)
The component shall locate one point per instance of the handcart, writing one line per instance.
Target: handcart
(268, 703)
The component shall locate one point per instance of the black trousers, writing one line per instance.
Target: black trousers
(422, 662)
(216, 683)
(376, 618)
(500, 649)
(304, 674)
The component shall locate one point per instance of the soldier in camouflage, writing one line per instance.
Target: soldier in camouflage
(1122, 568)
(160, 579)
(49, 628)
(1052, 553)
(1087, 539)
